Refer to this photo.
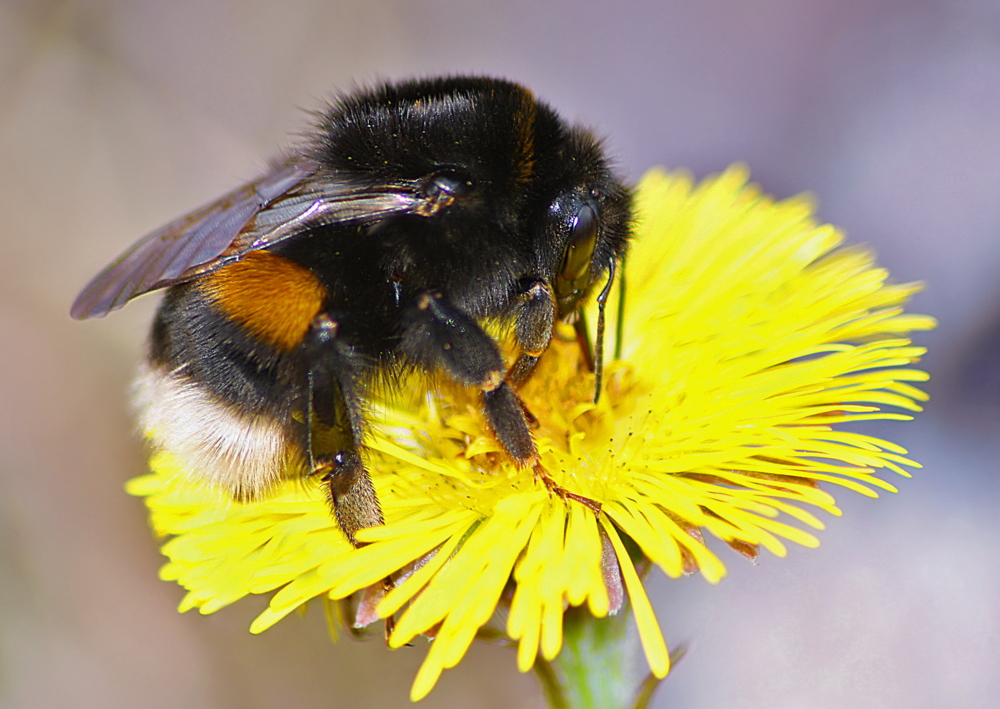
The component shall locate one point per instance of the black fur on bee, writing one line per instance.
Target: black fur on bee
(413, 214)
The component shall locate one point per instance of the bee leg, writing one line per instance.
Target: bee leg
(533, 323)
(505, 412)
(334, 427)
(555, 488)
(533, 326)
(438, 335)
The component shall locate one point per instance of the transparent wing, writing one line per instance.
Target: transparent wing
(274, 207)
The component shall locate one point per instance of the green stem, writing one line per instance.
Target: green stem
(600, 666)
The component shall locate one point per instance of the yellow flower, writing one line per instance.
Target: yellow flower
(747, 337)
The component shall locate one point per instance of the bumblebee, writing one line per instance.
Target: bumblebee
(413, 215)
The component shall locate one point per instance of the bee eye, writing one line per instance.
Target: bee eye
(449, 183)
(580, 250)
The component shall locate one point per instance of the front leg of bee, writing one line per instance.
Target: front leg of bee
(533, 323)
(438, 335)
(334, 427)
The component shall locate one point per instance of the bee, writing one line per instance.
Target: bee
(413, 215)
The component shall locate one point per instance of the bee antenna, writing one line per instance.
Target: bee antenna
(620, 322)
(602, 300)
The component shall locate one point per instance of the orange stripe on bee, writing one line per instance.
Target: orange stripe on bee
(273, 297)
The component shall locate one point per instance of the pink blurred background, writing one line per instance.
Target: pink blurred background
(117, 115)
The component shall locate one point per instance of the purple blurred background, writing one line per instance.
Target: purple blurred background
(117, 115)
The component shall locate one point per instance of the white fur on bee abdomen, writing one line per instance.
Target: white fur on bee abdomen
(244, 455)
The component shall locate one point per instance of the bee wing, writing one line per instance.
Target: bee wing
(274, 207)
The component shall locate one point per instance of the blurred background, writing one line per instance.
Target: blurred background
(118, 115)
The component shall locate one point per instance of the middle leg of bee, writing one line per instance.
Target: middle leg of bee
(439, 335)
(334, 427)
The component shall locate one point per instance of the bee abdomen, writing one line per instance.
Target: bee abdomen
(243, 453)
(273, 297)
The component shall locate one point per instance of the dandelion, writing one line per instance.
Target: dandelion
(747, 338)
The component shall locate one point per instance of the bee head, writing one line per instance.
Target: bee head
(588, 222)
